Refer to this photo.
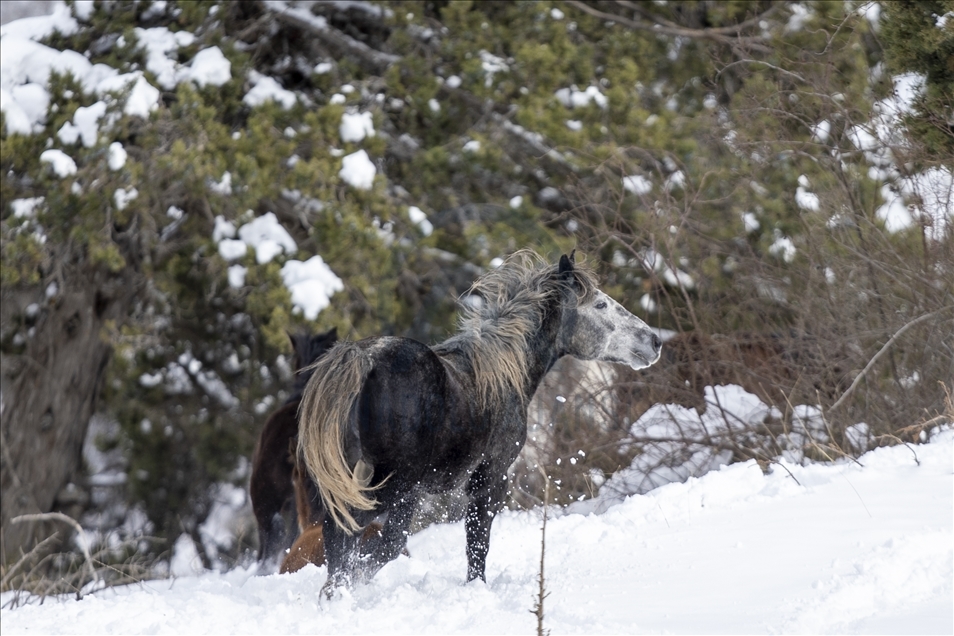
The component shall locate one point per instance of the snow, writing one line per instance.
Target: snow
(574, 98)
(85, 125)
(143, 97)
(232, 249)
(933, 189)
(218, 531)
(471, 146)
(803, 198)
(637, 184)
(236, 273)
(491, 65)
(26, 207)
(647, 303)
(267, 237)
(356, 126)
(847, 548)
(185, 558)
(419, 218)
(223, 229)
(117, 156)
(223, 186)
(63, 165)
(311, 283)
(653, 261)
(25, 67)
(159, 43)
(123, 197)
(42, 26)
(676, 180)
(516, 202)
(800, 16)
(209, 67)
(357, 170)
(782, 247)
(83, 9)
(750, 222)
(266, 88)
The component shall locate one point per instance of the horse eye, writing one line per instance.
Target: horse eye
(601, 304)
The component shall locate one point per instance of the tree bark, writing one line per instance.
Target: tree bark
(49, 394)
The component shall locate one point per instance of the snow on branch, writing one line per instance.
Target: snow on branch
(303, 19)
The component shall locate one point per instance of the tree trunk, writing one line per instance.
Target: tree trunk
(49, 394)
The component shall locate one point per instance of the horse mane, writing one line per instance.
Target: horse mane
(507, 306)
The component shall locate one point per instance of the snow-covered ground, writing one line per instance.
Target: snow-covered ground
(848, 548)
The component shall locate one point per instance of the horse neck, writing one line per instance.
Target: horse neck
(544, 348)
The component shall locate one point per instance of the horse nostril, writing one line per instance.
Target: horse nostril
(657, 343)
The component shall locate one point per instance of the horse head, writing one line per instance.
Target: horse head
(599, 328)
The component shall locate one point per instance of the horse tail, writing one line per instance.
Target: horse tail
(323, 417)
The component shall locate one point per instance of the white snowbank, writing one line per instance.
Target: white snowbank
(846, 548)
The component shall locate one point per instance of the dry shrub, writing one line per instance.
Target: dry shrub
(51, 568)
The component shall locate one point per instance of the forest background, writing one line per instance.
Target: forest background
(767, 183)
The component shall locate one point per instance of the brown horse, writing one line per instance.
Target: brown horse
(309, 547)
(271, 487)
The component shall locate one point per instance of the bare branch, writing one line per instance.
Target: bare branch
(668, 28)
(59, 516)
(881, 352)
(374, 60)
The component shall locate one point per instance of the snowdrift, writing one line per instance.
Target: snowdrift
(847, 547)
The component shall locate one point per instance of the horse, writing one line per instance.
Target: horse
(309, 547)
(386, 420)
(271, 488)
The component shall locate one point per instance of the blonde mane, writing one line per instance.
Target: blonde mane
(506, 307)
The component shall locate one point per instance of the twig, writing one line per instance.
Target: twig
(901, 441)
(542, 593)
(881, 352)
(59, 516)
(374, 60)
(667, 29)
(24, 559)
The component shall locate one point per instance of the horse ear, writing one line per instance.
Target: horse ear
(291, 339)
(566, 264)
(332, 333)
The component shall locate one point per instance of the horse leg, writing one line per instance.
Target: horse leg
(379, 549)
(341, 554)
(487, 489)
